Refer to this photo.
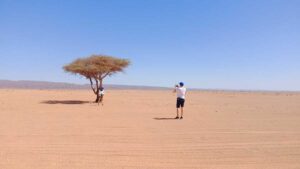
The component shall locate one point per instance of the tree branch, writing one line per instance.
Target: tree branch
(105, 75)
(92, 86)
(97, 84)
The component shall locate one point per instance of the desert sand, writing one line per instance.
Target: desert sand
(62, 129)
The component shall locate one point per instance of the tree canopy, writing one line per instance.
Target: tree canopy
(97, 66)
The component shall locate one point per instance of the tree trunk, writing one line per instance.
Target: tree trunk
(97, 97)
(95, 89)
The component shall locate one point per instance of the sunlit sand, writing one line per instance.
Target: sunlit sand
(135, 129)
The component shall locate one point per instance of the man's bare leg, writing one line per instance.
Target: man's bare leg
(177, 111)
(101, 100)
(181, 112)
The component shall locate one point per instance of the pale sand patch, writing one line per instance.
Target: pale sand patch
(56, 129)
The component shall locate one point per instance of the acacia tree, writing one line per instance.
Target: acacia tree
(95, 68)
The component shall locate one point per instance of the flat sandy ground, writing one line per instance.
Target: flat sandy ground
(57, 129)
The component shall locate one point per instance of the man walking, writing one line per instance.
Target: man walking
(181, 91)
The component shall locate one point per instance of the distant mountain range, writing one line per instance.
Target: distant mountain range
(24, 84)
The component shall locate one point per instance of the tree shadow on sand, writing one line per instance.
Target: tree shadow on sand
(64, 102)
(164, 118)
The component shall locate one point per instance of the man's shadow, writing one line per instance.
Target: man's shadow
(64, 102)
(164, 118)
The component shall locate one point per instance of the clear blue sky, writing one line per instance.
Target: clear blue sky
(224, 44)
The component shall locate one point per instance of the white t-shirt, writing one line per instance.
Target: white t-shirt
(102, 92)
(181, 92)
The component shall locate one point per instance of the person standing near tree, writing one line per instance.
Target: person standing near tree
(181, 92)
(101, 95)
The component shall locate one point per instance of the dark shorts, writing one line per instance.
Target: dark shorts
(180, 102)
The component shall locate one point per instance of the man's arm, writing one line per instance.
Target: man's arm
(176, 86)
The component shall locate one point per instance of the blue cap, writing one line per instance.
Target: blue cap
(181, 83)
